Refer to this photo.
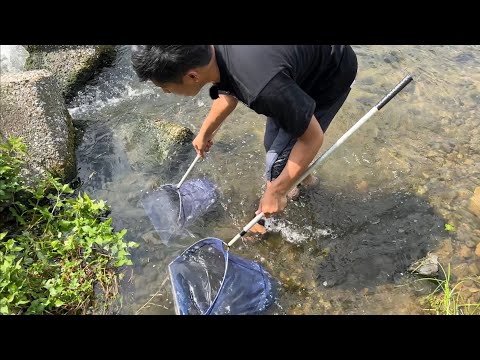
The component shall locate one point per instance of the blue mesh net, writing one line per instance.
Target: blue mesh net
(208, 280)
(171, 210)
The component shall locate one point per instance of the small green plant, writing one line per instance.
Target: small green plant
(11, 181)
(58, 251)
(446, 299)
(449, 227)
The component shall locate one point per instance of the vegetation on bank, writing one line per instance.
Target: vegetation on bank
(58, 251)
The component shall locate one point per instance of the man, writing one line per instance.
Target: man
(300, 88)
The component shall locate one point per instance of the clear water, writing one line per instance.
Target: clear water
(344, 247)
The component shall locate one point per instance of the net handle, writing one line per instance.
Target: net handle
(193, 163)
(188, 171)
(339, 142)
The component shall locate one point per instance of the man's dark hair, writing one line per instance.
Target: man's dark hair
(168, 63)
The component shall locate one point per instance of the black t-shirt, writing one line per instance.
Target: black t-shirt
(286, 82)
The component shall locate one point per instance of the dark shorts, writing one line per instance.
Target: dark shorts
(278, 143)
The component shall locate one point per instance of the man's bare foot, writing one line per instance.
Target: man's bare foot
(310, 181)
(294, 194)
(258, 229)
(256, 232)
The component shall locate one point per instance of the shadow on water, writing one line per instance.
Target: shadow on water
(335, 245)
(376, 239)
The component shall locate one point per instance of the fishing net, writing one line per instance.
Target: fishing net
(172, 209)
(208, 280)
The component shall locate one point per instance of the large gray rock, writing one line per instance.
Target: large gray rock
(72, 65)
(31, 107)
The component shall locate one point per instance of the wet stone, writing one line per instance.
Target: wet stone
(464, 252)
(470, 244)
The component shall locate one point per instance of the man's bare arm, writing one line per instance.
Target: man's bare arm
(274, 199)
(221, 108)
(302, 154)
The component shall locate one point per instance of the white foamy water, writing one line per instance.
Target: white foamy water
(12, 58)
(128, 94)
(292, 233)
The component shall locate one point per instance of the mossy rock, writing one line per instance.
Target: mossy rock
(72, 65)
(174, 133)
(153, 143)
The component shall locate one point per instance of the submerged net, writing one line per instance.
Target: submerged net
(208, 280)
(171, 210)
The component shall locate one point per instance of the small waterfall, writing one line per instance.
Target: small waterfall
(12, 58)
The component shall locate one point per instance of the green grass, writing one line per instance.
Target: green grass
(447, 298)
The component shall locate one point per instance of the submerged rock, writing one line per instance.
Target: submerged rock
(157, 143)
(173, 133)
(426, 266)
(475, 202)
